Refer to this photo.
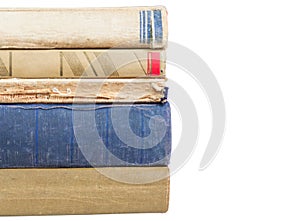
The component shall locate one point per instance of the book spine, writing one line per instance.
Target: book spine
(66, 135)
(82, 90)
(128, 27)
(82, 191)
(115, 63)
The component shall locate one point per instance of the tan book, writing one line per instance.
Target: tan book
(114, 63)
(84, 190)
(14, 90)
(127, 27)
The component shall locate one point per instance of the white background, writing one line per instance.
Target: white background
(253, 48)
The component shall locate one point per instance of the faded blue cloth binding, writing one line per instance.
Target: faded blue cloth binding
(66, 135)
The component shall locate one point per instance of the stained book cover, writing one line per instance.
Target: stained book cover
(14, 90)
(84, 191)
(66, 135)
(114, 63)
(127, 27)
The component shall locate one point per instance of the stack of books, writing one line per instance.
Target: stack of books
(84, 120)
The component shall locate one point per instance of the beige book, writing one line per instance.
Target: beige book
(114, 63)
(14, 90)
(84, 190)
(127, 27)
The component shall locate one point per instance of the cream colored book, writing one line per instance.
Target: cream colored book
(127, 27)
(114, 63)
(14, 90)
(84, 191)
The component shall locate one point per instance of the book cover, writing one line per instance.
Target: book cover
(114, 63)
(83, 191)
(66, 135)
(14, 90)
(127, 27)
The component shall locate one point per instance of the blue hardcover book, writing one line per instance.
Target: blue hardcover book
(66, 135)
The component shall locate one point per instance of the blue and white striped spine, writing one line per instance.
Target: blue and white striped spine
(151, 27)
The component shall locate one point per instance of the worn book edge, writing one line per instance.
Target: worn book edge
(82, 90)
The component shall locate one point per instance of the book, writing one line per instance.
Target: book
(78, 135)
(83, 191)
(125, 27)
(13, 90)
(114, 63)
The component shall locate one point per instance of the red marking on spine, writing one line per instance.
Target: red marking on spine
(149, 65)
(153, 64)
